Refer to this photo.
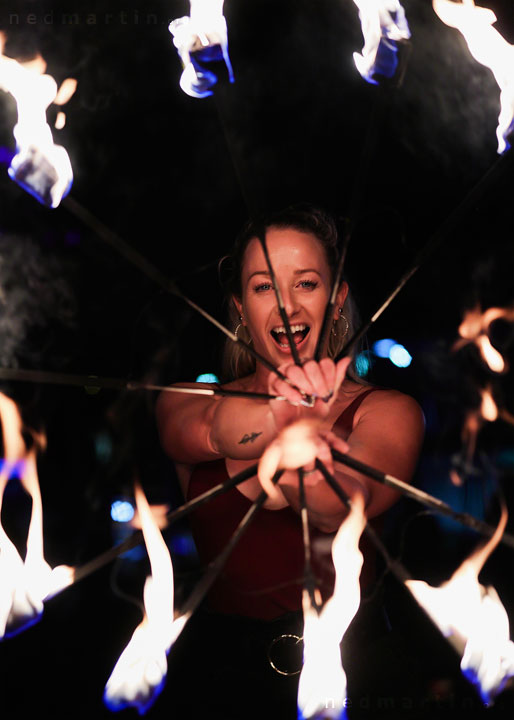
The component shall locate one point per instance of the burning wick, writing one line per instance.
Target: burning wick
(24, 584)
(383, 25)
(473, 618)
(138, 676)
(39, 166)
(202, 43)
(323, 675)
(489, 48)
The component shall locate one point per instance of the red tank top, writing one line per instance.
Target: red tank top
(263, 576)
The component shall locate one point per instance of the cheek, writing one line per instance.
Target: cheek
(256, 310)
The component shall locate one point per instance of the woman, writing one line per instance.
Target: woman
(210, 439)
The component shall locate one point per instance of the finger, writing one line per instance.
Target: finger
(317, 380)
(273, 378)
(267, 467)
(341, 370)
(335, 441)
(280, 387)
(323, 453)
(328, 368)
(297, 375)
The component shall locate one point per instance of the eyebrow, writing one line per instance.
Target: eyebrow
(296, 272)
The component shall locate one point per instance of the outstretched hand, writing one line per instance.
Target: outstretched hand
(320, 380)
(298, 445)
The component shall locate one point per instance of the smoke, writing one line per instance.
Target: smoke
(449, 104)
(36, 303)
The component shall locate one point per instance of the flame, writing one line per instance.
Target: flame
(475, 328)
(488, 408)
(473, 423)
(39, 166)
(383, 24)
(138, 676)
(322, 686)
(489, 48)
(159, 514)
(25, 584)
(64, 94)
(201, 39)
(473, 618)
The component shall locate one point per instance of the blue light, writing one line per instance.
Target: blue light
(207, 378)
(6, 155)
(183, 544)
(122, 511)
(362, 364)
(399, 356)
(382, 348)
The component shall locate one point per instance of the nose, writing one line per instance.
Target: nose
(290, 300)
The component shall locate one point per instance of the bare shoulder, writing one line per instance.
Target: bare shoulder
(391, 407)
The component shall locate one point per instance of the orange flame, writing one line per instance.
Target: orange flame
(139, 674)
(488, 408)
(472, 617)
(39, 166)
(322, 685)
(489, 48)
(25, 584)
(475, 328)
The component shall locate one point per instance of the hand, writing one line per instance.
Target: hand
(297, 445)
(321, 380)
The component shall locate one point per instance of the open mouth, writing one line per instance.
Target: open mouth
(299, 333)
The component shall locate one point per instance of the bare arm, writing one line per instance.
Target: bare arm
(387, 435)
(198, 429)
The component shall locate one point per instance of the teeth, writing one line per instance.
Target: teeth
(294, 328)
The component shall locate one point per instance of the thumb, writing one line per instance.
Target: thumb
(341, 370)
(268, 465)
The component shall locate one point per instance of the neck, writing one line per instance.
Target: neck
(261, 378)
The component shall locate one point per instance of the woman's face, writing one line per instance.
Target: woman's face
(304, 278)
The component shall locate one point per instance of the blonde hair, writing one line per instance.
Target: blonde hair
(237, 361)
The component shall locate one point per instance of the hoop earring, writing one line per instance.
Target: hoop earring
(240, 324)
(345, 320)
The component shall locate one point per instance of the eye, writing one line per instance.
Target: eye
(308, 284)
(263, 287)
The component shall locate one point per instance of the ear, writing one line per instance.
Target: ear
(340, 299)
(238, 304)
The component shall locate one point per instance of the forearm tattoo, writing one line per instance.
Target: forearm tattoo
(249, 438)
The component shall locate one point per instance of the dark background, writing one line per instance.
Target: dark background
(176, 178)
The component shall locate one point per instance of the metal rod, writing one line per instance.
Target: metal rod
(421, 496)
(278, 294)
(203, 586)
(377, 114)
(434, 242)
(261, 230)
(93, 382)
(174, 515)
(139, 261)
(395, 566)
(309, 580)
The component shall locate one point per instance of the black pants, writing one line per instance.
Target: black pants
(220, 666)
